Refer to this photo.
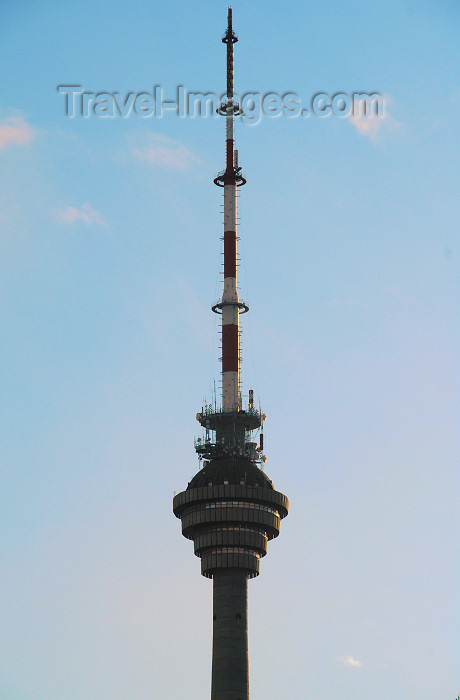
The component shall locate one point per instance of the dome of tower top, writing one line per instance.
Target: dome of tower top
(230, 470)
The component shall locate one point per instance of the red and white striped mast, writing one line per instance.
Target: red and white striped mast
(230, 307)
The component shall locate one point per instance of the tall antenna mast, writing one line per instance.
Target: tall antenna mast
(230, 306)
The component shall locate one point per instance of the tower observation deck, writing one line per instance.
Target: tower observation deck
(230, 509)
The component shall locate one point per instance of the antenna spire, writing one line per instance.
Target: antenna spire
(229, 38)
(230, 307)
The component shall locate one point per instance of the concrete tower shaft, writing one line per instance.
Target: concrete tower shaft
(230, 509)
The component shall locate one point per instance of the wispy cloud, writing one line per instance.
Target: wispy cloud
(372, 125)
(161, 151)
(15, 130)
(86, 214)
(350, 661)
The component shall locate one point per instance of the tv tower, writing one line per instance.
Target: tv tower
(230, 508)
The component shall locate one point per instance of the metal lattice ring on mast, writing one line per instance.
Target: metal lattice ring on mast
(223, 109)
(229, 37)
(225, 178)
(217, 308)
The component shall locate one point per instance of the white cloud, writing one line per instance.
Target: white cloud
(372, 125)
(15, 130)
(351, 661)
(162, 151)
(85, 214)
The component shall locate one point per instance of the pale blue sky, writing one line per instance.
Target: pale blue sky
(110, 254)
